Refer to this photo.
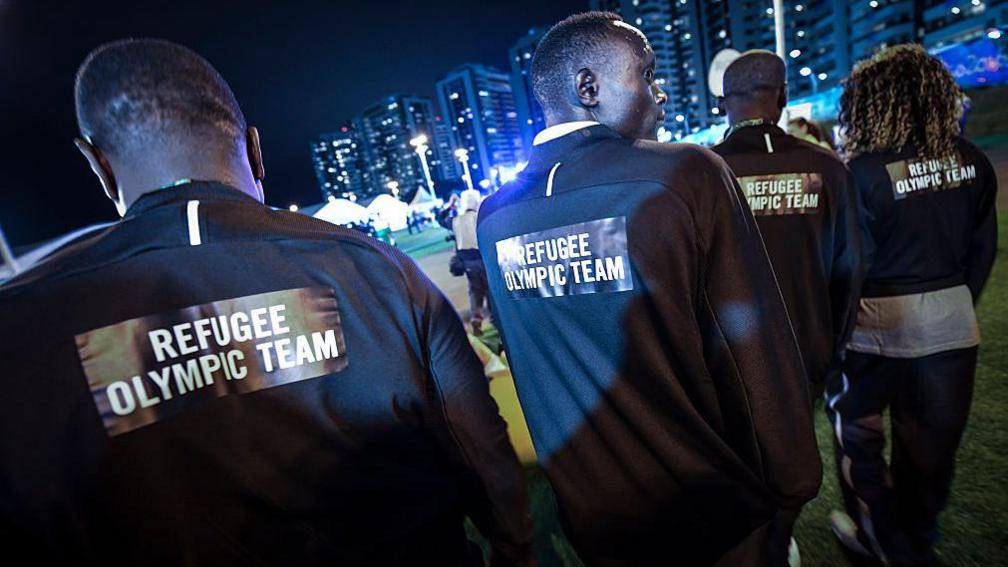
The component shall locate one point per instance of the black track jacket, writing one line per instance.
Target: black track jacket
(932, 219)
(213, 382)
(805, 203)
(650, 346)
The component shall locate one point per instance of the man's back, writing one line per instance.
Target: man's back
(213, 382)
(805, 204)
(633, 319)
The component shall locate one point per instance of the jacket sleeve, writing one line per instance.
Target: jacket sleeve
(847, 270)
(983, 243)
(757, 341)
(472, 429)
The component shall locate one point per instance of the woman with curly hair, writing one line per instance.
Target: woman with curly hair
(930, 244)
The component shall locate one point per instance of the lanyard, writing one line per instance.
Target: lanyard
(745, 124)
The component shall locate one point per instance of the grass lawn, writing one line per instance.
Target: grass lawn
(975, 525)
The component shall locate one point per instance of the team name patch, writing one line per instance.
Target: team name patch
(783, 193)
(145, 369)
(588, 257)
(919, 176)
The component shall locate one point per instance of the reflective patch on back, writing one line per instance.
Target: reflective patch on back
(783, 193)
(146, 369)
(921, 176)
(587, 257)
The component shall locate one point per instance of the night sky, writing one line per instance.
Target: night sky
(297, 68)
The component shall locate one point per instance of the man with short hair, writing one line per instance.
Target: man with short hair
(210, 381)
(651, 350)
(805, 204)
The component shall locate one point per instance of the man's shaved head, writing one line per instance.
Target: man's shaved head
(582, 40)
(755, 86)
(754, 71)
(152, 113)
(137, 96)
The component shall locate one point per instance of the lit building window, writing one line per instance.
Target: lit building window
(795, 53)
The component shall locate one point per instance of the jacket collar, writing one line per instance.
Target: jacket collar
(547, 154)
(559, 130)
(192, 190)
(753, 133)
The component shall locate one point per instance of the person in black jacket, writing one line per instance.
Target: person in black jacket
(210, 381)
(650, 347)
(930, 199)
(805, 204)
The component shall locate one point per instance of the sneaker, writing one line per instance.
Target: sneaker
(846, 531)
(793, 556)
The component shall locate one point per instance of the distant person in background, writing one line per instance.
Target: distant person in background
(809, 131)
(930, 199)
(805, 203)
(467, 246)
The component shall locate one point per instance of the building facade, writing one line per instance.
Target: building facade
(478, 104)
(946, 23)
(531, 119)
(340, 164)
(385, 129)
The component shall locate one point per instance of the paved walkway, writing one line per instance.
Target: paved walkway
(432, 253)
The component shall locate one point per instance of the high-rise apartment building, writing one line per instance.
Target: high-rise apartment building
(687, 34)
(340, 165)
(477, 102)
(386, 128)
(530, 115)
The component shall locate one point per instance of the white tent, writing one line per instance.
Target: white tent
(342, 211)
(424, 202)
(389, 209)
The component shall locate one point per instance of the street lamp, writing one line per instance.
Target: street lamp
(394, 188)
(463, 156)
(807, 72)
(420, 147)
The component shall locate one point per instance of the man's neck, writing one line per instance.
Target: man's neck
(166, 180)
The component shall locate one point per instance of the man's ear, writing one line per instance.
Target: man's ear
(100, 166)
(722, 111)
(782, 96)
(587, 87)
(254, 149)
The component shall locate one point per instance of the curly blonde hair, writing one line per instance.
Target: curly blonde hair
(900, 96)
